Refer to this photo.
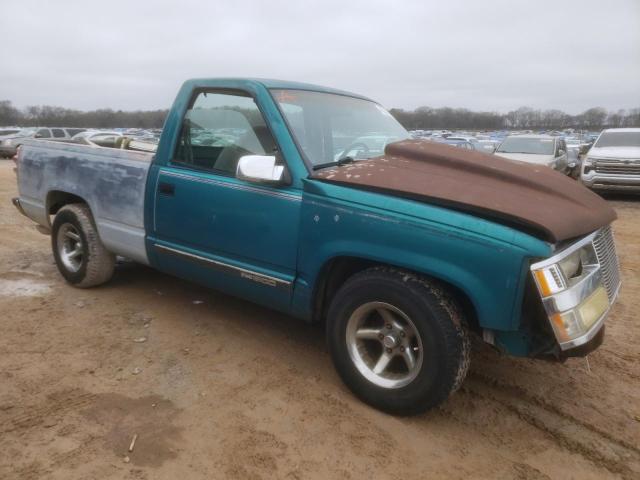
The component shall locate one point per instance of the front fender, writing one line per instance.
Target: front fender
(488, 270)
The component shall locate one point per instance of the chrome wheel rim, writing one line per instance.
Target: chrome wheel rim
(384, 345)
(70, 248)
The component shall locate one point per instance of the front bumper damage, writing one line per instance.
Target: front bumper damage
(577, 308)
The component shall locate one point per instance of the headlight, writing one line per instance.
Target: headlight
(574, 323)
(588, 164)
(571, 265)
(572, 291)
(568, 271)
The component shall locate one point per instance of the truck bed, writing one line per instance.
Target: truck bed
(112, 182)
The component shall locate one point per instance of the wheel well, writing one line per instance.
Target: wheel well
(339, 270)
(57, 199)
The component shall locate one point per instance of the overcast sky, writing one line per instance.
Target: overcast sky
(483, 55)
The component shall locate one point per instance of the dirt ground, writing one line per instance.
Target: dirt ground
(215, 387)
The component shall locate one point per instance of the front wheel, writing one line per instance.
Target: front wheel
(81, 257)
(397, 341)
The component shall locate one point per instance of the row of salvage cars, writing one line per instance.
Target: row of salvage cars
(132, 139)
(611, 162)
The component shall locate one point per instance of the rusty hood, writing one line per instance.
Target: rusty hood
(533, 198)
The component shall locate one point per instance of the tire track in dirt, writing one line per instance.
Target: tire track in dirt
(57, 404)
(599, 447)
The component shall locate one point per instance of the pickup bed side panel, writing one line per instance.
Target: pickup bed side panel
(112, 182)
(488, 271)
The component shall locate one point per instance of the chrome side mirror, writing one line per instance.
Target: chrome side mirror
(260, 169)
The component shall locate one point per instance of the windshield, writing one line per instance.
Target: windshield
(619, 139)
(538, 146)
(26, 131)
(328, 127)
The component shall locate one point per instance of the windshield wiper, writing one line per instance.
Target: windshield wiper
(335, 163)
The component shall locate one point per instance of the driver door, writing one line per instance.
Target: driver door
(214, 228)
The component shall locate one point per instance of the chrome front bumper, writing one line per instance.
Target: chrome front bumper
(613, 175)
(611, 182)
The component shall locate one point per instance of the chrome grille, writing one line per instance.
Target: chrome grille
(608, 259)
(618, 167)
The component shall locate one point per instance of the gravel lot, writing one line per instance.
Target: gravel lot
(215, 387)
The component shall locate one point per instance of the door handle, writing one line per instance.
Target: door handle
(166, 188)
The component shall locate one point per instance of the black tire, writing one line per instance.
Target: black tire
(437, 319)
(96, 264)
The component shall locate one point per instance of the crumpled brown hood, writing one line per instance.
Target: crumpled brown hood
(534, 198)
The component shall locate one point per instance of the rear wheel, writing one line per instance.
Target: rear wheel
(397, 341)
(81, 257)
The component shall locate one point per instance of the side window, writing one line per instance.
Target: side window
(57, 132)
(218, 129)
(43, 133)
(74, 131)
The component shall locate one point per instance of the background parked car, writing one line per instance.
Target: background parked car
(489, 145)
(613, 163)
(474, 142)
(4, 132)
(459, 142)
(9, 144)
(539, 149)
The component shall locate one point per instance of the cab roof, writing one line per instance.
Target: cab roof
(628, 130)
(238, 82)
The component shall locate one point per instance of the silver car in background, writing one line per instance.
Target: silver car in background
(538, 149)
(475, 143)
(613, 163)
(9, 144)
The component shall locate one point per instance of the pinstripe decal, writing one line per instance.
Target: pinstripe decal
(261, 278)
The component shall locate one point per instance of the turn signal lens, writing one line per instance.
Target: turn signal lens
(549, 280)
(566, 325)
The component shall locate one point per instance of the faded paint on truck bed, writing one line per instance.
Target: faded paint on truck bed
(111, 181)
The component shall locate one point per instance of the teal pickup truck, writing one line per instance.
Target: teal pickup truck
(317, 203)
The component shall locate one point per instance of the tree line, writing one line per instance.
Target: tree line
(425, 118)
(48, 116)
(421, 118)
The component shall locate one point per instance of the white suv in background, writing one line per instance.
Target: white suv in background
(613, 163)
